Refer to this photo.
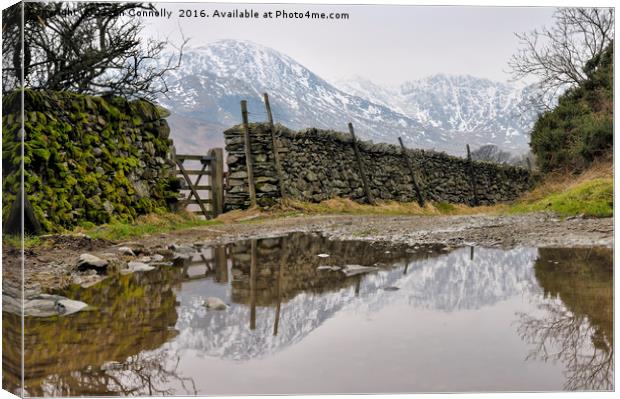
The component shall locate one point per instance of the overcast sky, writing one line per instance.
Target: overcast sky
(387, 44)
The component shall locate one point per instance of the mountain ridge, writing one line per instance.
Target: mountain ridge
(214, 78)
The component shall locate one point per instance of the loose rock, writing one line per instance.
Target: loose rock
(126, 251)
(214, 303)
(88, 261)
(139, 267)
(45, 305)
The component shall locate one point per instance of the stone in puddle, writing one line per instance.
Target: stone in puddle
(353, 270)
(45, 305)
(330, 268)
(185, 249)
(139, 267)
(88, 261)
(214, 303)
(126, 251)
(161, 264)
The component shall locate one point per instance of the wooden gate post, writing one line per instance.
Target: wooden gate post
(274, 146)
(413, 179)
(217, 181)
(360, 166)
(248, 153)
(472, 177)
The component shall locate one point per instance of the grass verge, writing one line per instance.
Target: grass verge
(592, 198)
(346, 206)
(147, 224)
(13, 241)
(144, 225)
(590, 193)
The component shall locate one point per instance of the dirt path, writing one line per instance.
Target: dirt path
(51, 265)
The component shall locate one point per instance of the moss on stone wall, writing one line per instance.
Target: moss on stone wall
(87, 159)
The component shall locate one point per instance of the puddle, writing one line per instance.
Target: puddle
(430, 319)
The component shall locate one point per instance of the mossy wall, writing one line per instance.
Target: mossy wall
(87, 159)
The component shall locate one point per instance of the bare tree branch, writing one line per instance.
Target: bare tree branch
(91, 48)
(557, 56)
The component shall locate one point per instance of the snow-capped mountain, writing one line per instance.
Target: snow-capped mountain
(442, 112)
(473, 108)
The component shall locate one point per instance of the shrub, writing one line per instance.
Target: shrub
(580, 128)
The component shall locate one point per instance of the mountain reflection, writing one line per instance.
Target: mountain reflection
(576, 325)
(276, 283)
(278, 295)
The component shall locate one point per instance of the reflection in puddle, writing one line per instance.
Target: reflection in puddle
(434, 319)
(576, 326)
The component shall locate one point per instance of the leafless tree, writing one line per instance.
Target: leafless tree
(556, 56)
(491, 153)
(91, 48)
(561, 336)
(154, 373)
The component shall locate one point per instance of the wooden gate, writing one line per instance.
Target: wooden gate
(203, 176)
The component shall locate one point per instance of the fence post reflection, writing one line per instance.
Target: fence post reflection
(281, 267)
(221, 264)
(253, 284)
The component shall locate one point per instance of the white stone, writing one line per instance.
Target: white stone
(87, 261)
(126, 251)
(139, 267)
(214, 303)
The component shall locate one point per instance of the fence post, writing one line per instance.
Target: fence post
(274, 146)
(217, 180)
(413, 179)
(472, 177)
(360, 166)
(248, 153)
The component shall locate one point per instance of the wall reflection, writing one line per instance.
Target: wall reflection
(74, 355)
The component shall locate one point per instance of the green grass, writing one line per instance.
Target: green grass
(593, 198)
(149, 224)
(344, 206)
(14, 241)
(144, 225)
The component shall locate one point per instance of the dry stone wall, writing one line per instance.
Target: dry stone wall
(319, 164)
(87, 159)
